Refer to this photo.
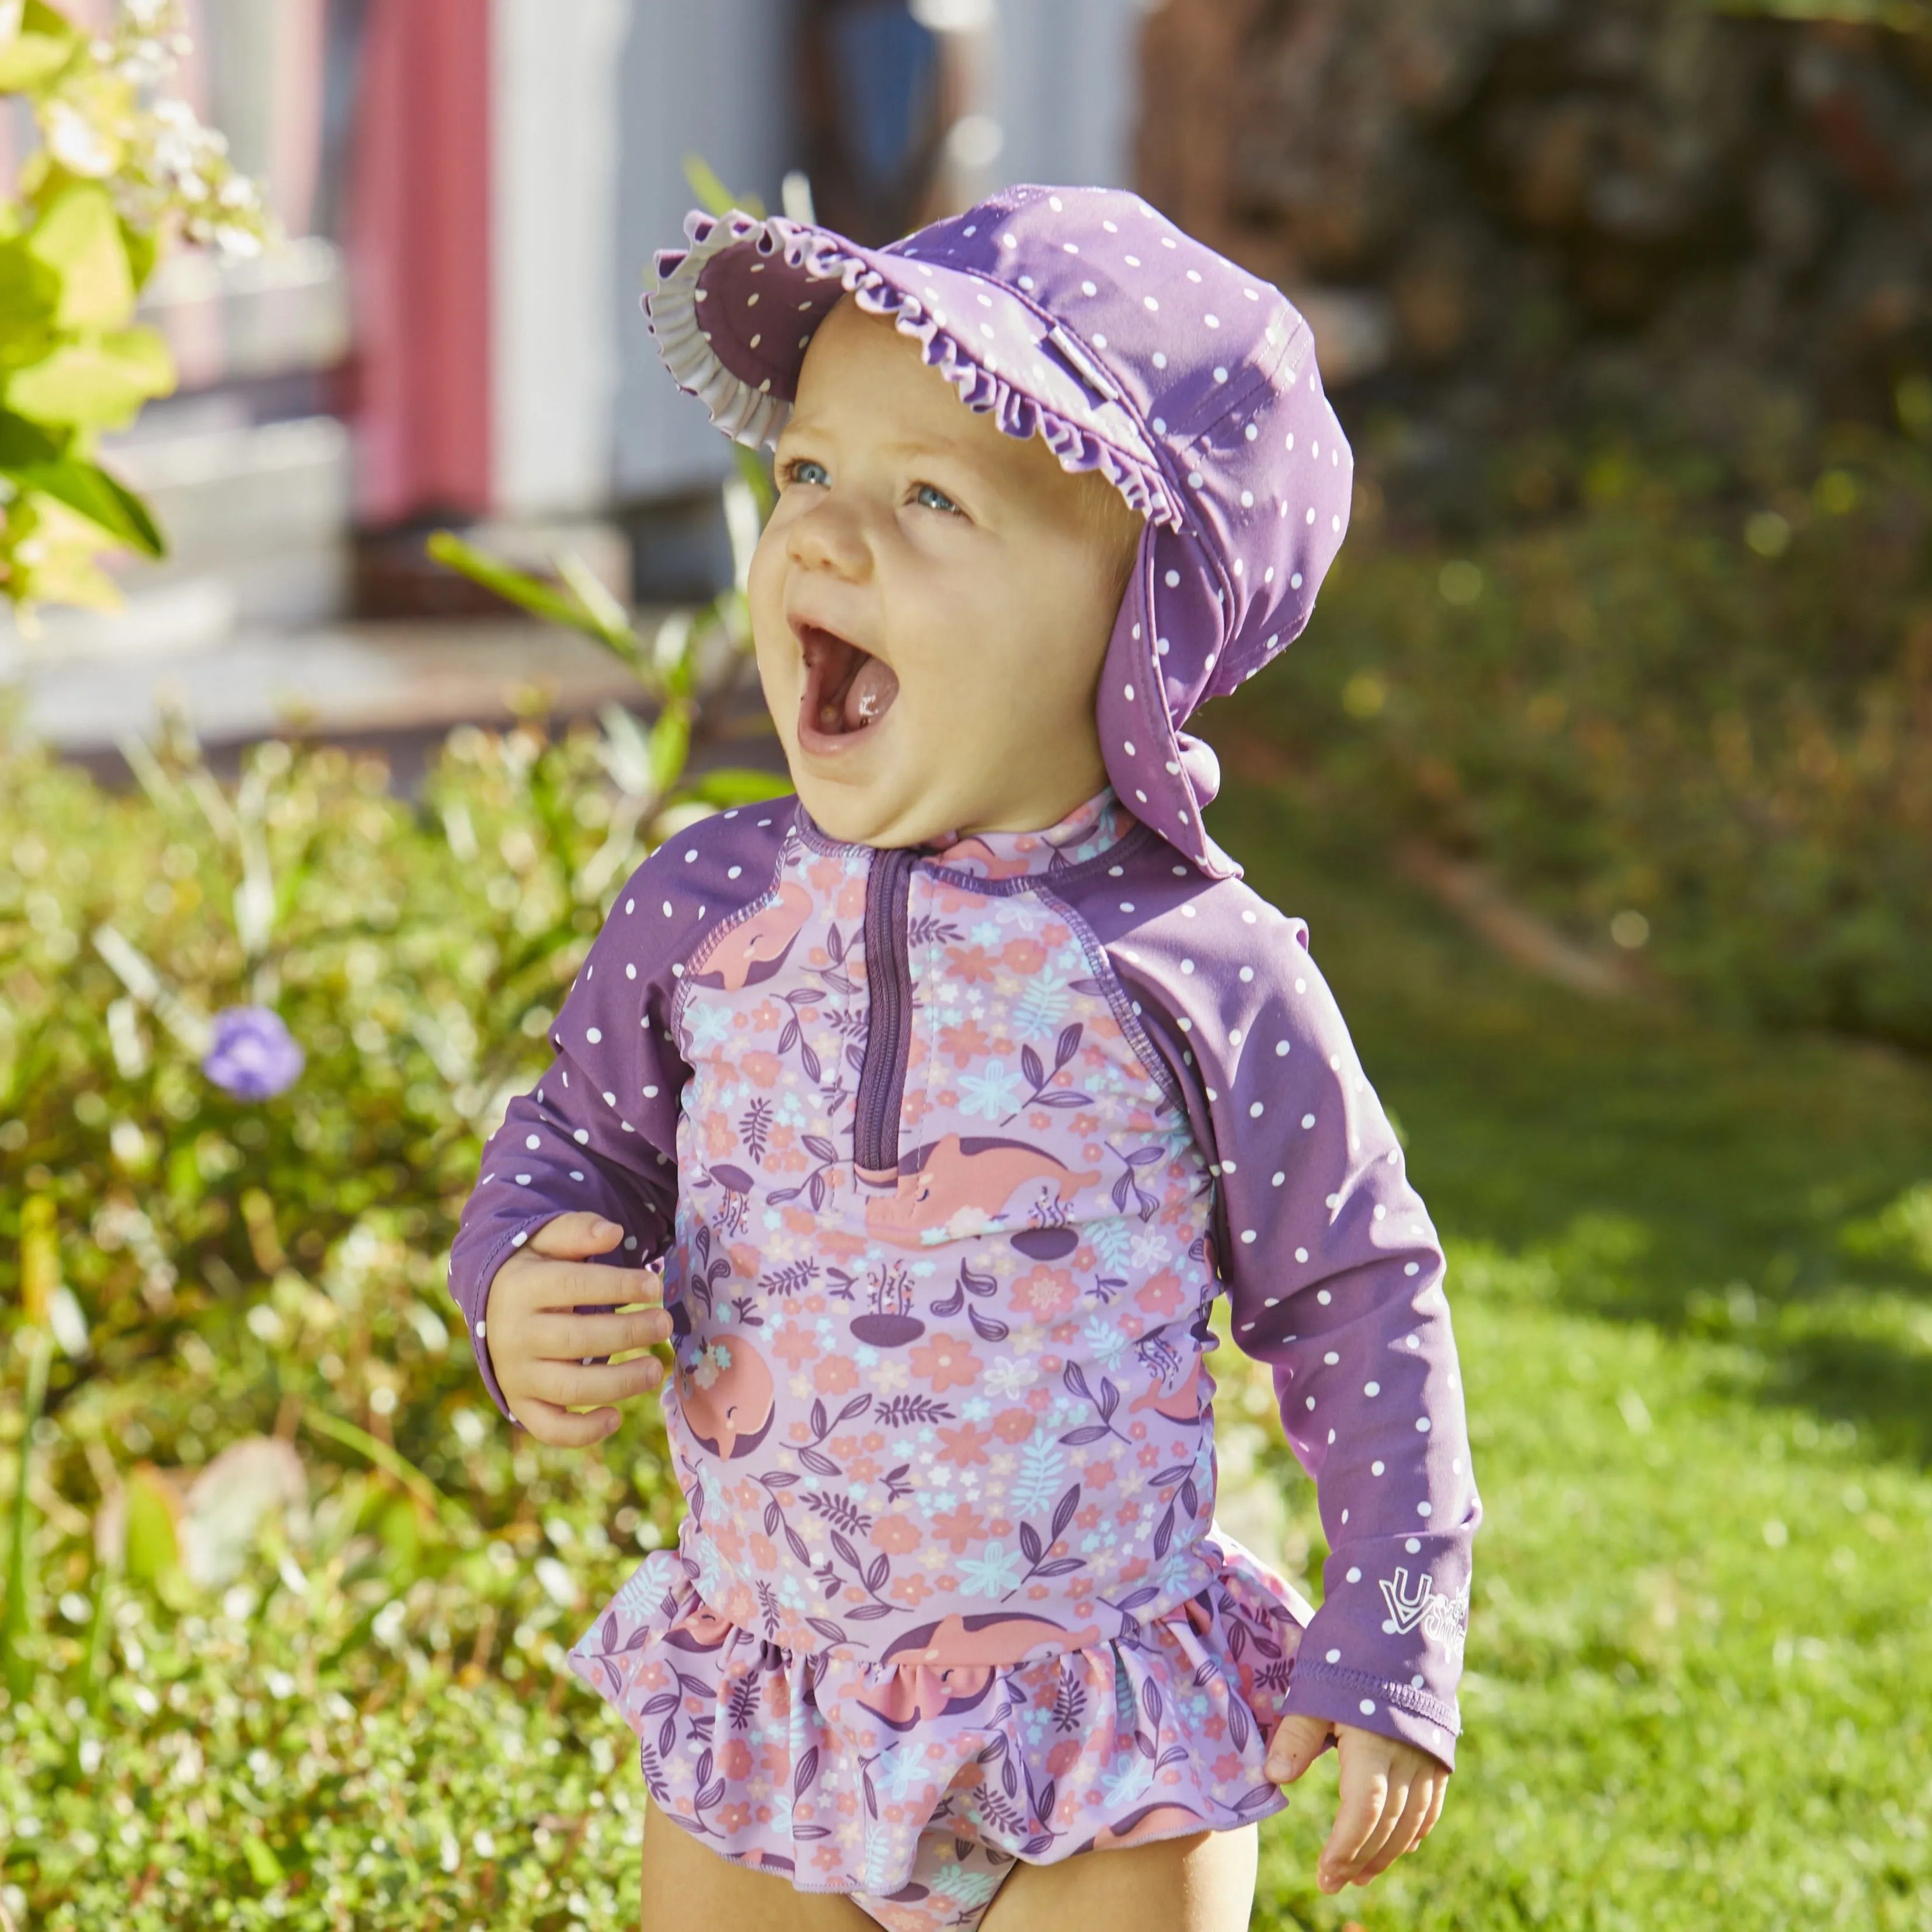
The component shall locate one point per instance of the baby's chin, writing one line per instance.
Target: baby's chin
(891, 807)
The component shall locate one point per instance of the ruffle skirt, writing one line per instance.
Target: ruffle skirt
(828, 1769)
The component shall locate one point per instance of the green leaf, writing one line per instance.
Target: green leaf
(22, 441)
(670, 744)
(79, 238)
(554, 604)
(263, 1865)
(732, 785)
(716, 197)
(101, 383)
(154, 1547)
(44, 45)
(87, 488)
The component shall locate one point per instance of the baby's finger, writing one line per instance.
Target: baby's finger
(1374, 1853)
(1358, 1816)
(572, 1236)
(1296, 1743)
(578, 1338)
(1435, 1809)
(549, 1423)
(1404, 1833)
(571, 1383)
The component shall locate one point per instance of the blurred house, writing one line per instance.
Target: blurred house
(472, 191)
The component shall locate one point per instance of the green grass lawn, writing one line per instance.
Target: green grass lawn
(1694, 1291)
(1700, 1391)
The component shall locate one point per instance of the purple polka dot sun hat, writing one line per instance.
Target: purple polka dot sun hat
(1083, 315)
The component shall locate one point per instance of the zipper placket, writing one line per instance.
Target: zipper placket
(882, 1073)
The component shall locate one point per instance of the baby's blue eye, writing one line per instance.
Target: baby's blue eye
(928, 498)
(803, 469)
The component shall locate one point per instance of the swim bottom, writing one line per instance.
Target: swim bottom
(952, 1882)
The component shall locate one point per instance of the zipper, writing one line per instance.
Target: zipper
(882, 1073)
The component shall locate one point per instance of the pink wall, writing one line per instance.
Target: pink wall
(418, 235)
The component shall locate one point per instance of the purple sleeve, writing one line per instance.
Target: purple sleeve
(599, 1132)
(1335, 1279)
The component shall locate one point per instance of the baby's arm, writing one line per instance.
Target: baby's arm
(1334, 1278)
(595, 1140)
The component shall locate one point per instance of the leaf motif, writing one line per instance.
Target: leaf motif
(857, 1405)
(1164, 1534)
(1110, 1398)
(788, 1039)
(1189, 1501)
(1029, 1542)
(820, 1148)
(702, 1771)
(865, 1786)
(804, 1773)
(1075, 1382)
(1067, 1046)
(820, 1427)
(845, 1553)
(709, 1795)
(1257, 1799)
(1151, 1701)
(795, 1543)
(1146, 1156)
(1091, 1432)
(828, 1630)
(815, 1188)
(779, 1479)
(875, 1577)
(868, 1613)
(1063, 1096)
(1062, 1566)
(987, 1327)
(819, 1463)
(1096, 987)
(772, 1513)
(1133, 1600)
(1238, 1723)
(1062, 1512)
(1033, 1067)
(809, 1060)
(735, 1178)
(667, 1736)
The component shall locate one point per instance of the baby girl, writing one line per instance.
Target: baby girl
(949, 1093)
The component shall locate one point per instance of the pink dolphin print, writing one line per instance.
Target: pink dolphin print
(957, 1174)
(1183, 1404)
(753, 950)
(1154, 1821)
(725, 1393)
(955, 1659)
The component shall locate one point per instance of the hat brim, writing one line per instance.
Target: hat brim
(734, 313)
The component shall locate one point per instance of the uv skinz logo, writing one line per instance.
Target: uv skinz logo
(1444, 1619)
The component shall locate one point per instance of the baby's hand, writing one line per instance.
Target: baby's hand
(546, 1358)
(1391, 1795)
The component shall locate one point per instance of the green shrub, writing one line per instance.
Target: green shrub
(1665, 717)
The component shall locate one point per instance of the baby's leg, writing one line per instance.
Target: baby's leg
(686, 1884)
(1203, 1883)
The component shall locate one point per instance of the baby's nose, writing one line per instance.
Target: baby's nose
(828, 538)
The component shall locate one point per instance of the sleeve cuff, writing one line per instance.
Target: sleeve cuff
(1394, 1710)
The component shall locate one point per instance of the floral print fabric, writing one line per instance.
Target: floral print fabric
(945, 1434)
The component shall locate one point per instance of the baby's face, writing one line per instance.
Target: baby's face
(930, 602)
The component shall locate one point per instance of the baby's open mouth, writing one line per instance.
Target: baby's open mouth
(847, 690)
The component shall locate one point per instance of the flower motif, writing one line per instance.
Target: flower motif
(252, 1054)
(1009, 1374)
(897, 1535)
(947, 1362)
(993, 1092)
(959, 1527)
(995, 1571)
(835, 1375)
(1044, 1292)
(966, 1444)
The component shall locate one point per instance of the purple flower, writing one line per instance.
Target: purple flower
(254, 1056)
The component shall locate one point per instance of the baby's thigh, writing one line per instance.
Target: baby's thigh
(686, 1884)
(1203, 1883)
